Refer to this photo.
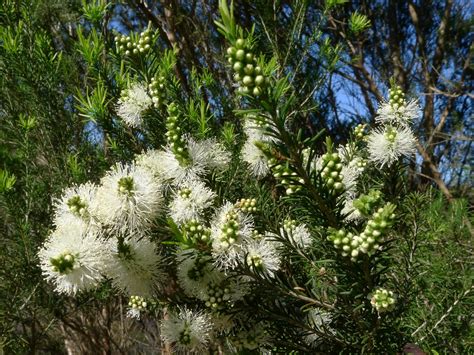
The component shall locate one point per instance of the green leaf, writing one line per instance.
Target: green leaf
(94, 107)
(358, 23)
(330, 4)
(7, 181)
(94, 11)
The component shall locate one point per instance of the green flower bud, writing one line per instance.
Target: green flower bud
(248, 69)
(231, 51)
(259, 80)
(238, 66)
(257, 91)
(240, 54)
(240, 43)
(247, 80)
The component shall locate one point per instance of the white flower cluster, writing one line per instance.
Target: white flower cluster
(133, 103)
(204, 157)
(128, 199)
(393, 139)
(253, 150)
(101, 232)
(73, 257)
(190, 200)
(189, 331)
(319, 321)
(297, 233)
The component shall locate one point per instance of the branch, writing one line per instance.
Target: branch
(168, 37)
(436, 176)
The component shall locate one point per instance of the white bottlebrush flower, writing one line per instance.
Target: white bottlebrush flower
(388, 144)
(190, 200)
(347, 152)
(151, 160)
(74, 204)
(133, 103)
(175, 172)
(230, 230)
(223, 292)
(352, 213)
(133, 313)
(128, 199)
(250, 339)
(203, 157)
(350, 173)
(255, 158)
(135, 266)
(263, 256)
(73, 258)
(299, 234)
(188, 332)
(195, 272)
(251, 152)
(209, 152)
(319, 320)
(395, 114)
(256, 132)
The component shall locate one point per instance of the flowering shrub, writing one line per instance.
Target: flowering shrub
(296, 258)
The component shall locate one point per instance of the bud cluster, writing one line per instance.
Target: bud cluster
(369, 240)
(361, 164)
(196, 231)
(332, 171)
(185, 335)
(346, 241)
(230, 229)
(285, 175)
(126, 185)
(134, 46)
(360, 131)
(366, 204)
(377, 227)
(383, 300)
(247, 205)
(256, 235)
(246, 71)
(289, 225)
(174, 136)
(63, 264)
(185, 192)
(216, 296)
(397, 97)
(157, 91)
(248, 340)
(77, 206)
(255, 261)
(137, 302)
(391, 135)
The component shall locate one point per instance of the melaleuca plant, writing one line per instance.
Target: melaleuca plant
(277, 241)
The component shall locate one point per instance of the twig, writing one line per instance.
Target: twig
(443, 317)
